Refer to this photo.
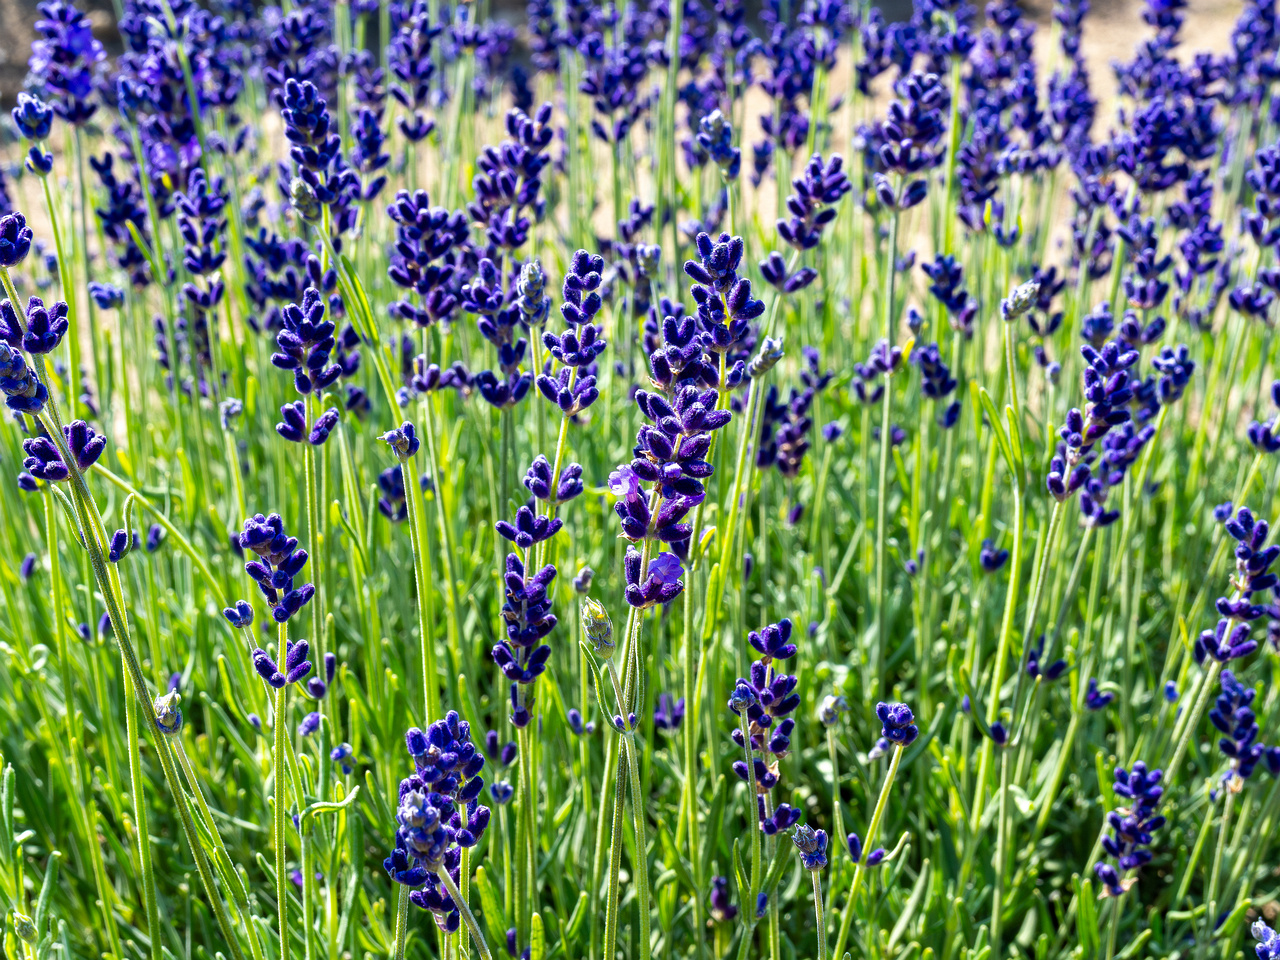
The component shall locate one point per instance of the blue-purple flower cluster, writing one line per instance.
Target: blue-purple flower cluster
(279, 561)
(1132, 827)
(1233, 715)
(439, 816)
(1229, 639)
(764, 703)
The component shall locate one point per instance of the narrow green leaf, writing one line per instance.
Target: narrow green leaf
(1228, 926)
(911, 910)
(740, 875)
(495, 920)
(590, 660)
(1015, 441)
(537, 939)
(1002, 438)
(1140, 941)
(576, 919)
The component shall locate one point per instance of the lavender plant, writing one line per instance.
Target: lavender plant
(1016, 470)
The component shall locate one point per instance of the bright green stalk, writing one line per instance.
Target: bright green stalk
(314, 520)
(445, 525)
(641, 865)
(280, 816)
(1193, 718)
(868, 844)
(239, 894)
(140, 818)
(468, 917)
(422, 584)
(819, 920)
(1211, 900)
(1002, 832)
(1002, 651)
(882, 484)
(953, 149)
(753, 815)
(1113, 927)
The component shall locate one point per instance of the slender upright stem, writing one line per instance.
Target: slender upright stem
(1193, 721)
(997, 895)
(140, 817)
(1211, 900)
(468, 917)
(281, 742)
(239, 895)
(837, 817)
(753, 812)
(1038, 581)
(1011, 368)
(868, 844)
(313, 527)
(446, 533)
(1114, 927)
(882, 483)
(821, 922)
(1002, 652)
(422, 584)
(642, 861)
(610, 946)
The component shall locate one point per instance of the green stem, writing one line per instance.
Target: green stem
(238, 892)
(1002, 653)
(313, 526)
(1211, 901)
(281, 836)
(753, 812)
(468, 917)
(817, 912)
(868, 844)
(1193, 719)
(446, 534)
(140, 818)
(1002, 829)
(882, 482)
(642, 863)
(1114, 927)
(422, 583)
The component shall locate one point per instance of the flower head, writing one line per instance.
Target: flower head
(438, 815)
(1268, 947)
(723, 910)
(1233, 715)
(169, 713)
(278, 562)
(898, 723)
(402, 441)
(811, 845)
(668, 714)
(1131, 827)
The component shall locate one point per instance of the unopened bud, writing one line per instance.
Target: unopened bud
(598, 627)
(1020, 300)
(24, 927)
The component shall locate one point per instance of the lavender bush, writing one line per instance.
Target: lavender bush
(832, 461)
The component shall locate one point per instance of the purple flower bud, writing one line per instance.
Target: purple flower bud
(309, 725)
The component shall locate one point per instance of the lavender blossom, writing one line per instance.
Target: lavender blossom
(1232, 714)
(279, 561)
(1132, 827)
(439, 816)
